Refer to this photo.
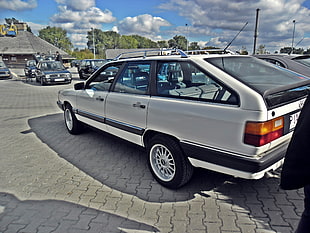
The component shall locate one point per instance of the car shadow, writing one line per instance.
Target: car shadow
(61, 216)
(123, 167)
(115, 162)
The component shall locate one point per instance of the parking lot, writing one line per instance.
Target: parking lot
(52, 181)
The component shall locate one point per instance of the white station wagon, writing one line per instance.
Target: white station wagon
(232, 114)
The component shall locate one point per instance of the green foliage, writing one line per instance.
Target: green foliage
(11, 20)
(179, 42)
(82, 54)
(162, 44)
(56, 36)
(193, 46)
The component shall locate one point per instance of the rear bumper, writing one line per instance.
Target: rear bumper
(235, 165)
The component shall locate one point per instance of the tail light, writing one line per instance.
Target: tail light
(261, 133)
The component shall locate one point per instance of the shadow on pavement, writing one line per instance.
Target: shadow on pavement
(116, 163)
(60, 216)
(122, 166)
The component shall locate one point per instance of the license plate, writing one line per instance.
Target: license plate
(59, 79)
(293, 120)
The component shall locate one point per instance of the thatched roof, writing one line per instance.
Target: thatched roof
(27, 43)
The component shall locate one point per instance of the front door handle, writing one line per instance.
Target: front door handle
(100, 98)
(138, 105)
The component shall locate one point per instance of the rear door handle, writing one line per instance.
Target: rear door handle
(138, 105)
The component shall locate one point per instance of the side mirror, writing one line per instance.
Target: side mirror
(79, 86)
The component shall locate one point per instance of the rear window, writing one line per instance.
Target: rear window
(276, 84)
(257, 74)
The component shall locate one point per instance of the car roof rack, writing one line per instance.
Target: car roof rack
(150, 53)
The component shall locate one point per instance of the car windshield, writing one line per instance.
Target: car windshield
(257, 74)
(51, 66)
(2, 65)
(31, 63)
(303, 60)
(99, 63)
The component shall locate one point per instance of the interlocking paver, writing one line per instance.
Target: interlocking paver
(52, 181)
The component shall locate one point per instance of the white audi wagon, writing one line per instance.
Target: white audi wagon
(232, 114)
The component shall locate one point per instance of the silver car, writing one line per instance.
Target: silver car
(227, 113)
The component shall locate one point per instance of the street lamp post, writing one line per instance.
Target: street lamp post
(187, 37)
(94, 48)
(294, 22)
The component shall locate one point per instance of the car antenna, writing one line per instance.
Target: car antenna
(235, 37)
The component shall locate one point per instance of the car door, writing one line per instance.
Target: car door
(127, 102)
(91, 100)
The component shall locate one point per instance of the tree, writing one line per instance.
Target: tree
(179, 42)
(162, 44)
(57, 37)
(193, 46)
(144, 42)
(82, 54)
(10, 21)
(128, 42)
(261, 49)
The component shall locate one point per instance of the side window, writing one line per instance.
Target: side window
(134, 79)
(103, 80)
(184, 80)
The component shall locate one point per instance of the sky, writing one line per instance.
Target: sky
(208, 22)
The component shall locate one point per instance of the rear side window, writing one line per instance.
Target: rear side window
(257, 74)
(184, 80)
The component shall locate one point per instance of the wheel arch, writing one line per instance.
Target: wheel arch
(152, 133)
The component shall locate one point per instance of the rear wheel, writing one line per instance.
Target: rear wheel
(72, 124)
(167, 162)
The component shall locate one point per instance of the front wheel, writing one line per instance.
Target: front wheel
(167, 162)
(72, 124)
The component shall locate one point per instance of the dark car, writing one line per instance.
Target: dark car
(75, 63)
(89, 66)
(52, 72)
(297, 63)
(30, 68)
(5, 73)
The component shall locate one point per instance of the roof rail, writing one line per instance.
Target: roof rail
(150, 53)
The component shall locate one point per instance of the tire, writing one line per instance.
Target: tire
(167, 162)
(72, 124)
(81, 75)
(42, 82)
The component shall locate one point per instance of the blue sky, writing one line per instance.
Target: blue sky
(209, 22)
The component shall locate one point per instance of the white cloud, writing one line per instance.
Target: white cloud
(223, 19)
(77, 21)
(17, 5)
(77, 5)
(144, 25)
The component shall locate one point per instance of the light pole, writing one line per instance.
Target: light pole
(294, 22)
(94, 48)
(255, 31)
(187, 36)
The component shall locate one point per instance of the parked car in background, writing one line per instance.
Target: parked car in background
(30, 68)
(233, 114)
(5, 73)
(75, 63)
(297, 63)
(52, 72)
(89, 66)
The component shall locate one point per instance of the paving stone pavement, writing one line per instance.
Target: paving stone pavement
(52, 181)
